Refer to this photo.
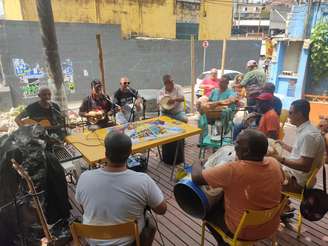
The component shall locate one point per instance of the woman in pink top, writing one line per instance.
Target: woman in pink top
(208, 84)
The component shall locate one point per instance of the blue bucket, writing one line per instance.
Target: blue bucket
(191, 198)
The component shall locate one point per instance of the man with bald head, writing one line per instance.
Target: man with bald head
(125, 97)
(251, 182)
(42, 109)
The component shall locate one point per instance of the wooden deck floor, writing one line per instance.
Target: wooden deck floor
(178, 228)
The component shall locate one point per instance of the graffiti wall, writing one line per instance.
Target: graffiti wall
(33, 76)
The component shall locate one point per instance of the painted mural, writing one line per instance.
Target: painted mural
(31, 77)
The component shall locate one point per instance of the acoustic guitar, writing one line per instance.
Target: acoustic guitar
(45, 123)
(22, 172)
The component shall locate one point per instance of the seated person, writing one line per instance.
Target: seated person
(209, 83)
(97, 106)
(251, 182)
(269, 122)
(307, 152)
(219, 98)
(114, 194)
(176, 95)
(264, 119)
(44, 109)
(223, 96)
(124, 97)
(277, 104)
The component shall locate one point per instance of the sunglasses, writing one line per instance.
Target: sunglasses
(126, 83)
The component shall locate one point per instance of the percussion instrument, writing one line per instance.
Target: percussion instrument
(196, 200)
(164, 102)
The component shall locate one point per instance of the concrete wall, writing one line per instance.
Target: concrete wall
(144, 61)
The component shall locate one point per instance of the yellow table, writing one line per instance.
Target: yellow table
(91, 144)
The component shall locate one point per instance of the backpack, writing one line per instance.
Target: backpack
(315, 202)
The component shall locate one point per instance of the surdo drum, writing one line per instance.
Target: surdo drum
(196, 200)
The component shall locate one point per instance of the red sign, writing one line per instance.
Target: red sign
(205, 44)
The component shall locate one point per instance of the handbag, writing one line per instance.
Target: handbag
(314, 205)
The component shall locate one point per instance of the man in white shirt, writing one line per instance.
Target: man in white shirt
(175, 92)
(308, 150)
(113, 194)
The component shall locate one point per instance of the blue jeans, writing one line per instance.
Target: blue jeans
(181, 116)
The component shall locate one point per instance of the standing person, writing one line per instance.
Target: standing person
(211, 82)
(323, 126)
(125, 97)
(251, 182)
(44, 109)
(176, 99)
(253, 81)
(114, 195)
(307, 152)
(96, 106)
(277, 104)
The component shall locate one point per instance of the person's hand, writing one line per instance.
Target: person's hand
(171, 101)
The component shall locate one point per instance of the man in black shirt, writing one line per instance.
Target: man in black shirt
(43, 109)
(127, 98)
(97, 106)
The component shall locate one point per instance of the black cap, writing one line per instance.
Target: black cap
(95, 83)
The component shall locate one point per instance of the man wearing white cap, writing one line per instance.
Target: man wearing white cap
(253, 81)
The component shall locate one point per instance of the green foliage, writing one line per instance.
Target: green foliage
(319, 51)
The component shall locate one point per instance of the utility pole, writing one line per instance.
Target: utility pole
(193, 71)
(49, 40)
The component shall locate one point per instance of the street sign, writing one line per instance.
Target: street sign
(205, 44)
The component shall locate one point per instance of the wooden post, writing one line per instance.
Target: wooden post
(223, 56)
(101, 60)
(193, 71)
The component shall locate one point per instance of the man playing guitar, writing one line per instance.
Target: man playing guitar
(43, 112)
(97, 106)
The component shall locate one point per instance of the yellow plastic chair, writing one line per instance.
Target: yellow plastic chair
(249, 218)
(283, 119)
(104, 232)
(299, 197)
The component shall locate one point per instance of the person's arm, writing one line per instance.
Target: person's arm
(180, 95)
(161, 208)
(155, 197)
(83, 110)
(308, 151)
(196, 174)
(218, 176)
(285, 146)
(303, 164)
(19, 118)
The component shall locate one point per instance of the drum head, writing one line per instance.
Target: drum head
(164, 103)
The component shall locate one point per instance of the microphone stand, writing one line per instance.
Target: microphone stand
(134, 104)
(60, 114)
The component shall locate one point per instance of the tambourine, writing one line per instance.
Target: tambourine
(164, 102)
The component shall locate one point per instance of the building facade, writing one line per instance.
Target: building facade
(146, 18)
